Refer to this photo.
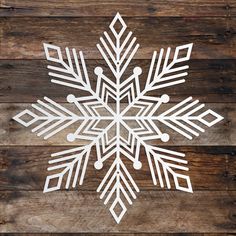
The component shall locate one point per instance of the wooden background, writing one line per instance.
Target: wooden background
(209, 24)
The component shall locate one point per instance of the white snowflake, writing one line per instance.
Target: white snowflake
(118, 131)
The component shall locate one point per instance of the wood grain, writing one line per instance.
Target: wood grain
(153, 211)
(25, 25)
(197, 8)
(25, 168)
(12, 133)
(119, 234)
(213, 38)
(208, 81)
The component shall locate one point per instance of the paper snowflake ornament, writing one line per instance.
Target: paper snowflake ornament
(127, 127)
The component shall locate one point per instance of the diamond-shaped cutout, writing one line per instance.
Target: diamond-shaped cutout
(50, 179)
(214, 118)
(118, 210)
(182, 53)
(118, 26)
(178, 177)
(23, 118)
(53, 53)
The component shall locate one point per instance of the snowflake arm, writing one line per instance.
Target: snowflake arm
(51, 116)
(67, 163)
(67, 74)
(119, 59)
(160, 76)
(116, 185)
(162, 162)
(170, 162)
(184, 116)
(163, 74)
(73, 160)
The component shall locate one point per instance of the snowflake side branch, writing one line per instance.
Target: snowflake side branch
(161, 76)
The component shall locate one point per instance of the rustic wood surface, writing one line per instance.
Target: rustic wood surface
(25, 25)
(129, 8)
(118, 234)
(214, 211)
(19, 171)
(201, 83)
(214, 38)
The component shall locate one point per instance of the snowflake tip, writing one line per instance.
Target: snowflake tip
(216, 118)
(19, 118)
(118, 202)
(118, 20)
(179, 58)
(188, 188)
(55, 50)
(53, 188)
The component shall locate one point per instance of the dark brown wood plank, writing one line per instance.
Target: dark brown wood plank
(203, 211)
(208, 81)
(12, 133)
(117, 234)
(126, 7)
(23, 38)
(25, 168)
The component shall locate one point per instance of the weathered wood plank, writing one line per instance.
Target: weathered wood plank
(22, 38)
(12, 133)
(25, 168)
(118, 234)
(208, 80)
(203, 211)
(109, 8)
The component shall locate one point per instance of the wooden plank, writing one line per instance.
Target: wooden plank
(118, 234)
(12, 133)
(25, 168)
(109, 8)
(22, 38)
(231, 167)
(208, 80)
(33, 211)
